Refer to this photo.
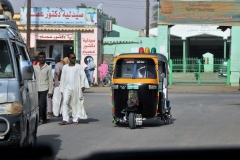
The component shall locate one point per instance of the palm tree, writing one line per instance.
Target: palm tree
(154, 15)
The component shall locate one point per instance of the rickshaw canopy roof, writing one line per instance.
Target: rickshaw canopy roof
(160, 57)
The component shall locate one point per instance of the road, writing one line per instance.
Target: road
(199, 120)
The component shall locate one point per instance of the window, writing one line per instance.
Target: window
(23, 52)
(6, 67)
(135, 68)
(67, 49)
(15, 48)
(55, 50)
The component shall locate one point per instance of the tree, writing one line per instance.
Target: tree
(83, 5)
(114, 21)
(154, 15)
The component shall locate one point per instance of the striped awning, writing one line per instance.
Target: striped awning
(24, 28)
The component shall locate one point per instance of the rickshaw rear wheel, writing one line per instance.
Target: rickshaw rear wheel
(132, 120)
(167, 118)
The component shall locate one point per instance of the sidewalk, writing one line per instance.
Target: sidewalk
(175, 88)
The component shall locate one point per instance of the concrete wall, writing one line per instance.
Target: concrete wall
(116, 47)
(235, 56)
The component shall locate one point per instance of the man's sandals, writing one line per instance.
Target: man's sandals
(65, 123)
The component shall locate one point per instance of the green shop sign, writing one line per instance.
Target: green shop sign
(199, 12)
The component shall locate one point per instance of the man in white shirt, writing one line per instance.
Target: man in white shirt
(44, 85)
(73, 83)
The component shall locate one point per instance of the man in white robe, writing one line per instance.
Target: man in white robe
(73, 83)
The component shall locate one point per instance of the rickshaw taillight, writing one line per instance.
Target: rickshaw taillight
(114, 86)
(147, 50)
(153, 50)
(141, 50)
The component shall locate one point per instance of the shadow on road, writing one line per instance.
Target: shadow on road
(54, 119)
(52, 141)
(83, 121)
(147, 123)
(237, 104)
(86, 121)
(88, 92)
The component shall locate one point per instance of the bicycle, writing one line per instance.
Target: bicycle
(107, 80)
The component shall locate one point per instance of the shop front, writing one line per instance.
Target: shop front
(52, 43)
(61, 31)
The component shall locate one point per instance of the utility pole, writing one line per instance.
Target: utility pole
(147, 18)
(28, 24)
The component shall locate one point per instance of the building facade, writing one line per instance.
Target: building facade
(60, 31)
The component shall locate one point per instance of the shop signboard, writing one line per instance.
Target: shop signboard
(89, 44)
(224, 13)
(42, 48)
(55, 36)
(57, 16)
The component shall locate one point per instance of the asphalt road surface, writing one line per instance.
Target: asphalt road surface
(198, 120)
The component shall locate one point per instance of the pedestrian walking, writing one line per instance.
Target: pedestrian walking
(44, 85)
(58, 71)
(103, 70)
(57, 97)
(65, 60)
(73, 83)
(91, 68)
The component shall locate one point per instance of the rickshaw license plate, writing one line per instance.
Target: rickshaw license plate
(132, 86)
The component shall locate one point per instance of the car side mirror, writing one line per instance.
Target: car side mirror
(162, 75)
(26, 69)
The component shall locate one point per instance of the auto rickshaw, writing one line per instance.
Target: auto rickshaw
(140, 88)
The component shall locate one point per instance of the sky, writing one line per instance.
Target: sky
(128, 13)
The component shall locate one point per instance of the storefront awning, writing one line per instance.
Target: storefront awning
(23, 28)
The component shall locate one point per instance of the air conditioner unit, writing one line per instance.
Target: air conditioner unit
(108, 25)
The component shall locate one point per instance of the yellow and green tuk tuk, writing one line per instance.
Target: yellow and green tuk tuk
(140, 88)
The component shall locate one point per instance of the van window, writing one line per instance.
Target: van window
(15, 48)
(135, 68)
(23, 52)
(6, 66)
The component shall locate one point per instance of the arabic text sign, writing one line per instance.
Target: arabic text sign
(199, 12)
(88, 43)
(55, 36)
(81, 16)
